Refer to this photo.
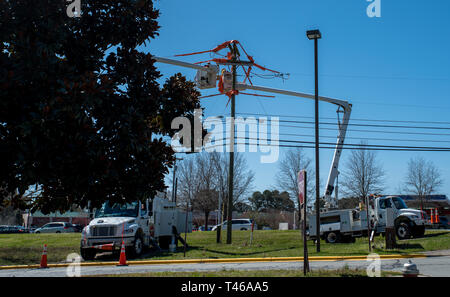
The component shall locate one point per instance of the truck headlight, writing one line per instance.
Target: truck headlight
(128, 230)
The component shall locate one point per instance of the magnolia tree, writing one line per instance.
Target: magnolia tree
(82, 115)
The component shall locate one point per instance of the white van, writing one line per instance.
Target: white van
(237, 224)
(56, 227)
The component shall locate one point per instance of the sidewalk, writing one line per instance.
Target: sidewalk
(441, 253)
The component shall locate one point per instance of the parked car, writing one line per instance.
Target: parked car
(236, 224)
(12, 229)
(6, 229)
(202, 228)
(78, 228)
(443, 223)
(56, 227)
(21, 229)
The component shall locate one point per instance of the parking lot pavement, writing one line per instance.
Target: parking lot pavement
(438, 266)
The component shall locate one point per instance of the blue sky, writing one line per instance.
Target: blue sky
(396, 67)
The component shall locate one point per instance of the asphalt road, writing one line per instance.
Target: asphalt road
(435, 266)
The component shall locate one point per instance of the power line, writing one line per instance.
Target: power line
(375, 77)
(354, 144)
(371, 131)
(364, 120)
(358, 138)
(370, 125)
(345, 146)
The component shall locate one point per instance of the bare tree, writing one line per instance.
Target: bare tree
(207, 173)
(205, 201)
(188, 180)
(423, 178)
(293, 161)
(243, 177)
(363, 174)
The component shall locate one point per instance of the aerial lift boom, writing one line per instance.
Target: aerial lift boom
(347, 109)
(210, 74)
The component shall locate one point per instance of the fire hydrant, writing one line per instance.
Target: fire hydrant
(410, 270)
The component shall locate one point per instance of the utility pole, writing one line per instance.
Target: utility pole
(173, 179)
(219, 219)
(234, 51)
(174, 187)
(186, 222)
(367, 201)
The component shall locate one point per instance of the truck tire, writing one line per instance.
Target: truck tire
(138, 246)
(333, 237)
(403, 230)
(88, 254)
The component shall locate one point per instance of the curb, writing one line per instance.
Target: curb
(229, 260)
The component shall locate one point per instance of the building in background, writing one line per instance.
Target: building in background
(38, 219)
(439, 202)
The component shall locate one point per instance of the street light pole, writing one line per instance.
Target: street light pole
(315, 34)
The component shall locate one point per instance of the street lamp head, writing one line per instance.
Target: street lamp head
(313, 34)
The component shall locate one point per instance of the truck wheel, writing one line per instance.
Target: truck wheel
(138, 246)
(403, 231)
(88, 254)
(333, 237)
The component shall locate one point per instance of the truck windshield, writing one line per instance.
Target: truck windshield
(399, 203)
(118, 210)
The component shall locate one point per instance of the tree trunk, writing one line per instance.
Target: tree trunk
(206, 220)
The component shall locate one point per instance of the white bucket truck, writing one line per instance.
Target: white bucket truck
(155, 222)
(343, 225)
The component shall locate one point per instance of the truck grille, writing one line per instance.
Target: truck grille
(104, 231)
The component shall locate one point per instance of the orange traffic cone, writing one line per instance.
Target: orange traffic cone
(436, 216)
(123, 258)
(44, 257)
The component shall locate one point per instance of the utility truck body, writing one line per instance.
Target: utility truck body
(138, 225)
(344, 225)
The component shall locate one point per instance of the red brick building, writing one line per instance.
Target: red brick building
(38, 219)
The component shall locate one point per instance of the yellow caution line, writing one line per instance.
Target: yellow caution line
(227, 260)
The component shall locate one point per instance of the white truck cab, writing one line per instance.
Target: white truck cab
(408, 222)
(138, 224)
